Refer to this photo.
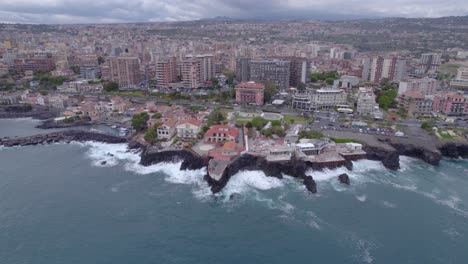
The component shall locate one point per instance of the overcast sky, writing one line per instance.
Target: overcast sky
(111, 11)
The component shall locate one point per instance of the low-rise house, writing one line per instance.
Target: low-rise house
(189, 129)
(221, 133)
(167, 129)
(310, 147)
(415, 103)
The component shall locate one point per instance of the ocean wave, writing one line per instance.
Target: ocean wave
(245, 181)
(388, 204)
(361, 198)
(109, 155)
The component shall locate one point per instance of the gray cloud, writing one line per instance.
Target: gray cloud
(112, 11)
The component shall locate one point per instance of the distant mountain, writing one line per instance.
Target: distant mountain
(218, 18)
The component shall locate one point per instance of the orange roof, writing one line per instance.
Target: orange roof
(231, 131)
(250, 85)
(231, 145)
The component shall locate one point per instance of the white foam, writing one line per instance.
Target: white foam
(114, 154)
(361, 198)
(244, 181)
(388, 204)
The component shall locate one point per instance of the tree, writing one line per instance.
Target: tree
(216, 117)
(259, 122)
(100, 60)
(156, 116)
(150, 135)
(75, 69)
(248, 125)
(301, 87)
(275, 123)
(270, 90)
(310, 134)
(292, 121)
(139, 121)
(111, 86)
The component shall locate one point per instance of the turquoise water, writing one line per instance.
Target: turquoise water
(58, 204)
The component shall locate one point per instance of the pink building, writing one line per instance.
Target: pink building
(250, 93)
(451, 104)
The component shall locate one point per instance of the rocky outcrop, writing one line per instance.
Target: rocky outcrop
(51, 123)
(37, 112)
(190, 161)
(310, 184)
(344, 178)
(454, 150)
(389, 158)
(63, 136)
(432, 157)
(295, 168)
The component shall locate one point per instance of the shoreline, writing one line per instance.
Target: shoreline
(297, 168)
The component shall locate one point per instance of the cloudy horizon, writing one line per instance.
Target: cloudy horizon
(124, 11)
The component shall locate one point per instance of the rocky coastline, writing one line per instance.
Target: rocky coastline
(51, 123)
(62, 136)
(36, 112)
(388, 154)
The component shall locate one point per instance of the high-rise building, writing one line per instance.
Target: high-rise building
(166, 71)
(36, 63)
(125, 71)
(429, 62)
(277, 71)
(391, 68)
(206, 67)
(243, 69)
(366, 69)
(299, 71)
(425, 86)
(191, 73)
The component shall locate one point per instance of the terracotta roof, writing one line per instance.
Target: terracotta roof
(251, 85)
(231, 131)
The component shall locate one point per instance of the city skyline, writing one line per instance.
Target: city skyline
(117, 11)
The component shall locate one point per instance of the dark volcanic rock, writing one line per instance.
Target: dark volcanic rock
(431, 157)
(390, 159)
(63, 136)
(294, 168)
(38, 112)
(135, 145)
(310, 184)
(454, 150)
(344, 178)
(190, 161)
(51, 123)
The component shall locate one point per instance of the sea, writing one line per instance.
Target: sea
(59, 204)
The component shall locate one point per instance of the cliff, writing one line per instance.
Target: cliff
(454, 150)
(295, 168)
(190, 160)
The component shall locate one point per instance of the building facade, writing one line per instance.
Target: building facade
(322, 99)
(425, 86)
(277, 71)
(125, 71)
(166, 71)
(250, 93)
(243, 69)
